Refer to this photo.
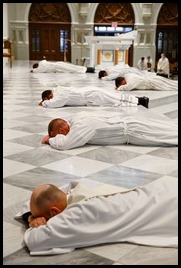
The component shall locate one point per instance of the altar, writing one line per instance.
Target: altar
(110, 50)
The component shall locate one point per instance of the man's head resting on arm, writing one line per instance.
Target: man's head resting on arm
(58, 126)
(47, 94)
(119, 81)
(47, 201)
(35, 65)
(102, 73)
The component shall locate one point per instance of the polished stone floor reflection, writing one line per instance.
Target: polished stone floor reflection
(27, 163)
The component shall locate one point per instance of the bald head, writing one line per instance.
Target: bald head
(58, 126)
(47, 201)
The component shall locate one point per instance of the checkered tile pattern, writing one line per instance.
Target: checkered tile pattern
(27, 164)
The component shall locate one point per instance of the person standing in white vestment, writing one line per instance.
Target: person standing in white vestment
(88, 96)
(142, 64)
(45, 66)
(143, 128)
(149, 64)
(133, 81)
(61, 220)
(163, 66)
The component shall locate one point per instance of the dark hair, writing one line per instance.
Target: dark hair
(45, 94)
(35, 65)
(101, 74)
(118, 81)
(142, 58)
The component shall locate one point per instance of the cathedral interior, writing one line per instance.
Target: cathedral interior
(80, 33)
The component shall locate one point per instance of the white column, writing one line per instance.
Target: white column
(92, 55)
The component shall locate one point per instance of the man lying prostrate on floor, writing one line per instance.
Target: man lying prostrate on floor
(45, 66)
(142, 128)
(61, 221)
(88, 96)
(134, 81)
(112, 72)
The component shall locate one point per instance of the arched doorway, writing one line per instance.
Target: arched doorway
(121, 14)
(167, 32)
(49, 32)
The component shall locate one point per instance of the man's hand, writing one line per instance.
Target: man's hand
(40, 103)
(35, 222)
(45, 139)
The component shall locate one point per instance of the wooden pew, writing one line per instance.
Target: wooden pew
(8, 51)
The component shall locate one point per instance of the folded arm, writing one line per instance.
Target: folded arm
(79, 135)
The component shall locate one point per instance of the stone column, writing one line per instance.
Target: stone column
(116, 58)
(92, 55)
(126, 56)
(99, 57)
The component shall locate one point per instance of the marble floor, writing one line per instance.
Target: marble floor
(27, 163)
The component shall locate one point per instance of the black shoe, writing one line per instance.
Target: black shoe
(143, 101)
(90, 70)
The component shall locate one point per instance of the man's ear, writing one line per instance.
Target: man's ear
(51, 134)
(54, 211)
(62, 131)
(124, 81)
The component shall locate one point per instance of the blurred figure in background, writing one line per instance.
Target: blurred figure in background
(149, 63)
(163, 66)
(142, 65)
